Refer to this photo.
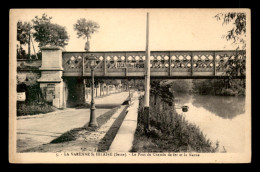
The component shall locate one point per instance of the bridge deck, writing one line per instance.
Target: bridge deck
(164, 64)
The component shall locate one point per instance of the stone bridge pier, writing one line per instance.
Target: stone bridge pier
(56, 89)
(53, 88)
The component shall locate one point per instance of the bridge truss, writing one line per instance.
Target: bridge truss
(164, 64)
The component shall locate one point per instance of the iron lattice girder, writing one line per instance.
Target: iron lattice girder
(163, 63)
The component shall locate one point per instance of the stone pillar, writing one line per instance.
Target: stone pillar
(51, 82)
(100, 89)
(65, 94)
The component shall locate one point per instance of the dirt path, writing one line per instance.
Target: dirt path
(86, 140)
(36, 130)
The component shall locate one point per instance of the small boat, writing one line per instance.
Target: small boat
(185, 108)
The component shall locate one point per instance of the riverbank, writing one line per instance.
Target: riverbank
(219, 87)
(169, 132)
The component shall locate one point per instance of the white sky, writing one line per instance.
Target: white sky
(125, 29)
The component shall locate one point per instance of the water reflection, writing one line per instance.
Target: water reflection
(182, 98)
(221, 119)
(225, 107)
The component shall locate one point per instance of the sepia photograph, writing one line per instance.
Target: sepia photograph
(130, 85)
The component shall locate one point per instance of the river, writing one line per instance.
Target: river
(220, 118)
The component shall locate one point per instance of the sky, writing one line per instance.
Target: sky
(125, 29)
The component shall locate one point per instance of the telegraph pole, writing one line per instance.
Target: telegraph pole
(147, 79)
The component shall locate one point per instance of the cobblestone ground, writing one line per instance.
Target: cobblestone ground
(37, 130)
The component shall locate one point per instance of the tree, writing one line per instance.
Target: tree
(238, 31)
(238, 35)
(85, 28)
(23, 36)
(181, 85)
(47, 33)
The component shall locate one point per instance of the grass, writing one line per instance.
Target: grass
(73, 134)
(169, 132)
(33, 109)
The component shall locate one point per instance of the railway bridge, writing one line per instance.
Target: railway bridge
(61, 72)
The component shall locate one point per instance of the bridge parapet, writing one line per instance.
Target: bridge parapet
(163, 63)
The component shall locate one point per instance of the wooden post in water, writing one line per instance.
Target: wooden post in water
(147, 80)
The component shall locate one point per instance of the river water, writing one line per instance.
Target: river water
(220, 118)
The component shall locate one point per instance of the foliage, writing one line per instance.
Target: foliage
(237, 67)
(115, 82)
(23, 33)
(219, 86)
(238, 31)
(23, 30)
(101, 81)
(21, 54)
(162, 89)
(47, 33)
(134, 83)
(238, 35)
(169, 132)
(205, 86)
(85, 28)
(33, 109)
(39, 56)
(181, 85)
(29, 80)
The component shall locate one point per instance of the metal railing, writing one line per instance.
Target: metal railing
(163, 63)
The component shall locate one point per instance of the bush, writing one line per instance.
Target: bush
(32, 109)
(228, 92)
